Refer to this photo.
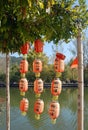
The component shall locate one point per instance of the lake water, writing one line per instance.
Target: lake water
(68, 113)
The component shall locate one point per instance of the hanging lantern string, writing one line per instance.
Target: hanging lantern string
(59, 64)
(37, 67)
(23, 83)
(56, 84)
(37, 64)
(56, 87)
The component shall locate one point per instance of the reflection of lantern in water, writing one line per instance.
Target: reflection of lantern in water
(56, 87)
(54, 110)
(25, 48)
(23, 86)
(24, 104)
(38, 45)
(38, 87)
(38, 108)
(37, 67)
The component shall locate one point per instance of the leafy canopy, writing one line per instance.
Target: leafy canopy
(50, 20)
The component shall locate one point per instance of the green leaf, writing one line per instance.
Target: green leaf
(6, 35)
(34, 22)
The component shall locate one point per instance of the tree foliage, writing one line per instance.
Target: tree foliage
(50, 20)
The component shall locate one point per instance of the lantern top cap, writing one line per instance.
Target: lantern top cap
(38, 41)
(25, 48)
(38, 46)
(60, 56)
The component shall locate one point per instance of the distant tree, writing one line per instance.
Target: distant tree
(15, 60)
(48, 73)
(85, 54)
(73, 50)
(14, 73)
(2, 64)
(3, 77)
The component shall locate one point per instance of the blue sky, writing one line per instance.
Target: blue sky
(66, 47)
(63, 48)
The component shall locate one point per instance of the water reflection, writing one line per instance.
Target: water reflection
(2, 110)
(86, 109)
(68, 114)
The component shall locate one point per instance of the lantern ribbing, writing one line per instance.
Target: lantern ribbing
(38, 83)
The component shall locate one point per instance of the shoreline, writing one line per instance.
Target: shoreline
(46, 85)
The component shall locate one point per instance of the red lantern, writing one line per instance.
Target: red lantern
(23, 66)
(23, 86)
(59, 62)
(24, 104)
(56, 87)
(59, 65)
(37, 67)
(54, 111)
(38, 108)
(74, 63)
(60, 56)
(38, 87)
(25, 48)
(38, 46)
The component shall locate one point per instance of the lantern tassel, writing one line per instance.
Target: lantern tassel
(37, 75)
(53, 121)
(55, 98)
(37, 116)
(22, 93)
(23, 113)
(58, 74)
(37, 95)
(23, 75)
(25, 56)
